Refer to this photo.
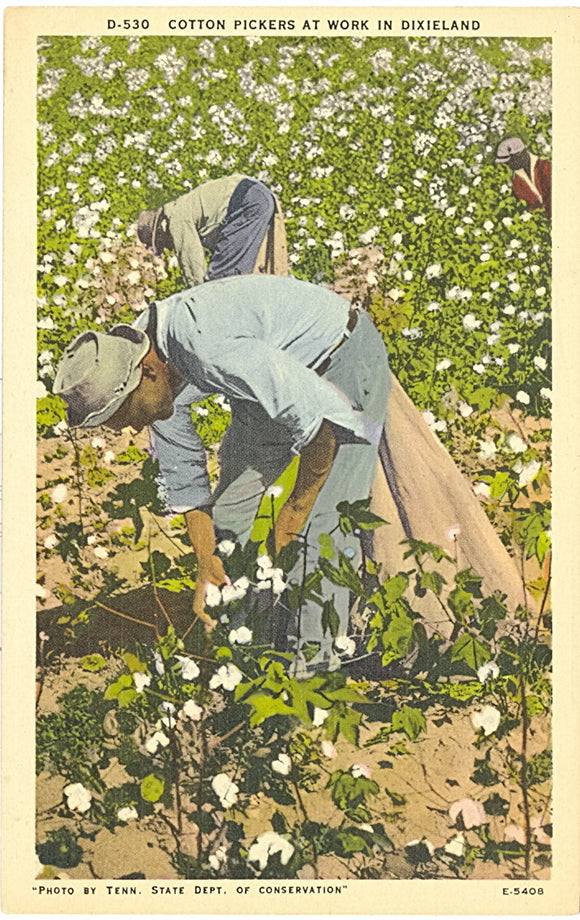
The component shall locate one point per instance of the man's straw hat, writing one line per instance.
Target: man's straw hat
(98, 371)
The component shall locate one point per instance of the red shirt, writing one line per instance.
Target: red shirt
(536, 194)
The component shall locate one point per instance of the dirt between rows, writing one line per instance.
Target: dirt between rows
(417, 790)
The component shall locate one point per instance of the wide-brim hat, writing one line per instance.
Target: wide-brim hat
(147, 224)
(98, 371)
(508, 148)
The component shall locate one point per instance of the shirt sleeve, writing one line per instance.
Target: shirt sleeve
(181, 455)
(189, 250)
(290, 393)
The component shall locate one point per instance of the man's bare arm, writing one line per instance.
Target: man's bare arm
(316, 461)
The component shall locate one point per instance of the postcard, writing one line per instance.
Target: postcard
(283, 631)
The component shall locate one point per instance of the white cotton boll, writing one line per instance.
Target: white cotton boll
(59, 493)
(488, 671)
(470, 322)
(191, 710)
(540, 363)
(487, 450)
(226, 547)
(465, 410)
(240, 636)
(523, 397)
(456, 846)
(227, 676)
(472, 813)
(546, 393)
(274, 491)
(141, 680)
(213, 596)
(481, 489)
(487, 718)
(344, 646)
(235, 591)
(225, 789)
(269, 844)
(328, 749)
(128, 813)
(158, 740)
(320, 716)
(515, 443)
(51, 541)
(360, 769)
(189, 668)
(78, 798)
(282, 765)
(527, 471)
(433, 271)
(100, 552)
(218, 859)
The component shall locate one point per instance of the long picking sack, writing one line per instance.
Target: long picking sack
(421, 492)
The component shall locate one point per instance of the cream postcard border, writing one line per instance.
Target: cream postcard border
(22, 26)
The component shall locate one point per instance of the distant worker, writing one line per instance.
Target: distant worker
(532, 179)
(236, 218)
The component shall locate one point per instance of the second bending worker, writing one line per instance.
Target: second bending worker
(236, 218)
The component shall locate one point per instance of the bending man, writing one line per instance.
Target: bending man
(304, 374)
(236, 218)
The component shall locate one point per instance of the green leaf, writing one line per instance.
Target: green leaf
(310, 650)
(356, 516)
(433, 581)
(397, 639)
(326, 550)
(396, 798)
(344, 576)
(93, 662)
(409, 720)
(461, 604)
(330, 618)
(345, 721)
(420, 548)
(472, 650)
(124, 682)
(534, 706)
(152, 788)
(134, 664)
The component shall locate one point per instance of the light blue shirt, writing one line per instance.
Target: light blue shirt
(256, 339)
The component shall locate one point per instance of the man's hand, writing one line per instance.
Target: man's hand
(210, 568)
(316, 462)
(210, 571)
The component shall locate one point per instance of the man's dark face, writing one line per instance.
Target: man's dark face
(150, 402)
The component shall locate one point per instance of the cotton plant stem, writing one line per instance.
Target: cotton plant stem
(155, 589)
(302, 808)
(176, 758)
(524, 779)
(216, 741)
(544, 599)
